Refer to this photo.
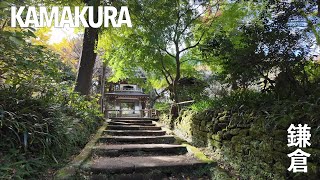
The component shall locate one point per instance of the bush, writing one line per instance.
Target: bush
(162, 107)
(42, 121)
(201, 105)
(38, 131)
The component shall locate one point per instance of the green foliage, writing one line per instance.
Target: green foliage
(14, 165)
(201, 105)
(264, 48)
(54, 127)
(158, 43)
(55, 123)
(162, 107)
(42, 121)
(191, 89)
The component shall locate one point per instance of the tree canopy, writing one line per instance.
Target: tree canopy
(159, 43)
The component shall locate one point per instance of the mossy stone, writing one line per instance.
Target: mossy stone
(216, 137)
(216, 144)
(209, 125)
(222, 125)
(280, 146)
(314, 155)
(223, 119)
(280, 135)
(238, 148)
(234, 131)
(265, 146)
(243, 132)
(315, 140)
(265, 138)
(219, 173)
(236, 139)
(227, 136)
(281, 158)
(279, 170)
(203, 128)
(216, 128)
(203, 123)
(255, 132)
(285, 122)
(255, 144)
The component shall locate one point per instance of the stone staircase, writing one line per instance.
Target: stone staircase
(135, 148)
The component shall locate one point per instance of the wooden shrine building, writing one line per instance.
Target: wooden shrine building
(127, 100)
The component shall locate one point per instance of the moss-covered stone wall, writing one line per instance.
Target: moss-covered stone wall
(249, 148)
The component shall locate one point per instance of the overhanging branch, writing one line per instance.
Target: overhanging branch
(202, 35)
(165, 50)
(165, 70)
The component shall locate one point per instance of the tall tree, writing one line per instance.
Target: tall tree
(88, 55)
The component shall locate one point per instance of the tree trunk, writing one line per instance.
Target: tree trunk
(174, 108)
(178, 74)
(87, 61)
(175, 92)
(88, 55)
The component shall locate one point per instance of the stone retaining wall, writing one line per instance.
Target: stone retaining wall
(252, 149)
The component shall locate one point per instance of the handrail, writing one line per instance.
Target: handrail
(185, 102)
(180, 105)
(143, 112)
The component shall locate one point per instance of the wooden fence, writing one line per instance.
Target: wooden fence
(144, 113)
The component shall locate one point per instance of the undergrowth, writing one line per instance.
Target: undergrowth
(42, 121)
(37, 133)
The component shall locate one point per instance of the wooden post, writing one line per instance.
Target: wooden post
(143, 107)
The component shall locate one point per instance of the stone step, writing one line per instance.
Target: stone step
(166, 139)
(156, 175)
(133, 121)
(131, 124)
(135, 132)
(139, 150)
(133, 127)
(138, 164)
